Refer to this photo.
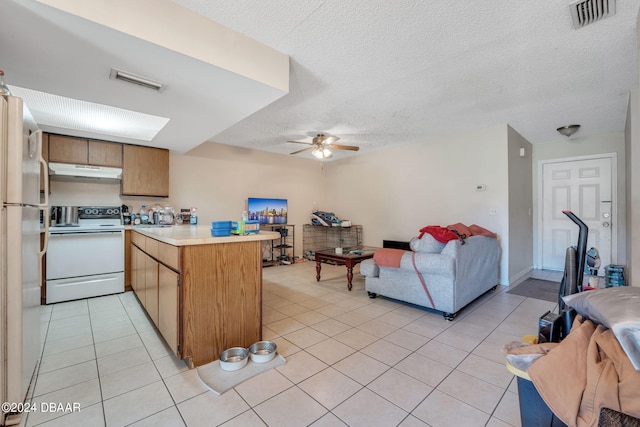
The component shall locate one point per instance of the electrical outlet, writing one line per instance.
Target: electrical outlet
(493, 211)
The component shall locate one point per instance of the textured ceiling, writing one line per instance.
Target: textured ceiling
(379, 73)
(376, 74)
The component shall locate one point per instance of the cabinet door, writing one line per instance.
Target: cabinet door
(151, 287)
(105, 154)
(68, 149)
(168, 305)
(145, 171)
(138, 276)
(127, 259)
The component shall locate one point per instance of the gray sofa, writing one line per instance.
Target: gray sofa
(455, 274)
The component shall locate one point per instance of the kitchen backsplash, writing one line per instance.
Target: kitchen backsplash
(75, 193)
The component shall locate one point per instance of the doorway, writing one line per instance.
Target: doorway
(586, 186)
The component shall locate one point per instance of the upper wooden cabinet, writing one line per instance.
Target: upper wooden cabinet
(45, 146)
(82, 151)
(145, 171)
(68, 149)
(105, 153)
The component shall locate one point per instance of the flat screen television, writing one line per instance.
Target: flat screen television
(267, 211)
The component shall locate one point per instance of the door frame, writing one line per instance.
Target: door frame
(614, 200)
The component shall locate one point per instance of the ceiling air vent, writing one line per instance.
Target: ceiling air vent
(585, 12)
(135, 79)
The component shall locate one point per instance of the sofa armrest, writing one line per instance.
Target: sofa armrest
(369, 268)
(426, 263)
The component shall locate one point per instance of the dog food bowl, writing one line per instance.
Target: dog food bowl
(234, 358)
(262, 351)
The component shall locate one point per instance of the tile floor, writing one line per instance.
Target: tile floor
(351, 361)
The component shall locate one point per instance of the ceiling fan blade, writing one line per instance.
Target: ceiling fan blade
(344, 147)
(300, 151)
(330, 140)
(301, 142)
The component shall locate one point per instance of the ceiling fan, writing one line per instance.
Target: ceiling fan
(321, 145)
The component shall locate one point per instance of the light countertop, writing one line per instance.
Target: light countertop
(185, 235)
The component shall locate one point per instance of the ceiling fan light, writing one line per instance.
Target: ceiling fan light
(321, 153)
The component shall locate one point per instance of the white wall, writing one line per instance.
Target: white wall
(395, 192)
(632, 177)
(218, 179)
(584, 146)
(520, 237)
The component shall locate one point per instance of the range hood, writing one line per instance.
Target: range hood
(70, 171)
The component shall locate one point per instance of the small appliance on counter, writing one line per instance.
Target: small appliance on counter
(126, 215)
(64, 216)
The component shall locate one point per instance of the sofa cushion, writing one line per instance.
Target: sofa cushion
(426, 244)
(433, 264)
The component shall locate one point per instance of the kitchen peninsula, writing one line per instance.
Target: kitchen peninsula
(203, 293)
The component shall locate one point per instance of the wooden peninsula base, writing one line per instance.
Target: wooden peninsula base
(203, 293)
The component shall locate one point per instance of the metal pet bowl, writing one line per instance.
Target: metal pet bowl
(234, 358)
(262, 351)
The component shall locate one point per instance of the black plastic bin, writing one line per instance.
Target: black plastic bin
(534, 412)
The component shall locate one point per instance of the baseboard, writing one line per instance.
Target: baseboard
(520, 277)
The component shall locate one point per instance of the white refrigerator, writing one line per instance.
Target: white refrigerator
(20, 252)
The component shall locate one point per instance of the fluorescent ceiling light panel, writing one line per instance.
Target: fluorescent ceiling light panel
(69, 113)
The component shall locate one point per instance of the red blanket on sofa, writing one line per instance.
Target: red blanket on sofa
(387, 257)
(455, 231)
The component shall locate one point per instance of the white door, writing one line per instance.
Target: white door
(585, 188)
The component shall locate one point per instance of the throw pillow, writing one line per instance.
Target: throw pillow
(617, 308)
(426, 244)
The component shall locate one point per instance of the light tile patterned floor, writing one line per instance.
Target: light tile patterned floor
(351, 361)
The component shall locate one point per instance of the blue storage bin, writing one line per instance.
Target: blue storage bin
(219, 232)
(215, 225)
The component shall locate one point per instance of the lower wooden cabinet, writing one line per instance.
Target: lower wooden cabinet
(156, 286)
(138, 282)
(168, 281)
(151, 287)
(202, 298)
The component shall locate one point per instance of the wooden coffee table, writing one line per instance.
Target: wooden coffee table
(349, 258)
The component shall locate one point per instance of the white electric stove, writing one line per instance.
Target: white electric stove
(86, 260)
